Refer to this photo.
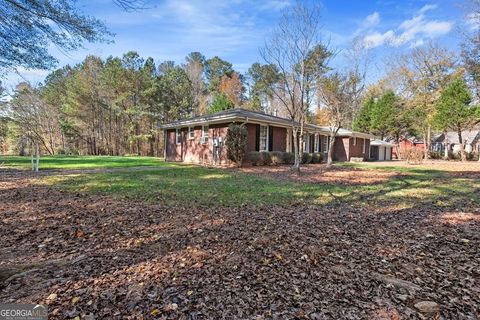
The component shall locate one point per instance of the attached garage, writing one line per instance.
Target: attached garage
(381, 150)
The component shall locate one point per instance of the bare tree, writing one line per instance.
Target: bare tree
(422, 74)
(195, 68)
(288, 49)
(337, 94)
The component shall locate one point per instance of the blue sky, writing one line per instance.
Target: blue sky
(235, 30)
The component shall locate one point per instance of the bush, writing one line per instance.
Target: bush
(307, 158)
(256, 158)
(288, 157)
(436, 155)
(472, 156)
(317, 157)
(267, 158)
(276, 157)
(236, 142)
(414, 156)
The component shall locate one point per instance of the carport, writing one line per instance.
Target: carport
(381, 150)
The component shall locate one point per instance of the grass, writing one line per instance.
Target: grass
(82, 162)
(199, 186)
(193, 185)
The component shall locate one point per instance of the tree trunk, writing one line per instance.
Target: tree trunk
(463, 154)
(427, 142)
(397, 146)
(330, 149)
(296, 164)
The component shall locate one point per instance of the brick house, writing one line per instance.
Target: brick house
(202, 139)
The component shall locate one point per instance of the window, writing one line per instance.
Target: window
(191, 133)
(364, 145)
(204, 134)
(178, 136)
(263, 138)
(317, 142)
(354, 141)
(306, 143)
(325, 144)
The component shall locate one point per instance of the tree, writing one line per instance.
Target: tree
(454, 112)
(215, 69)
(288, 49)
(236, 142)
(261, 80)
(29, 27)
(470, 48)
(382, 115)
(195, 68)
(336, 94)
(220, 103)
(232, 87)
(363, 121)
(37, 120)
(421, 75)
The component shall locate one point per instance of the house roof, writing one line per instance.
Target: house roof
(377, 142)
(230, 115)
(243, 115)
(469, 136)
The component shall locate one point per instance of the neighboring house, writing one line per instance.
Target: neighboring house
(381, 150)
(450, 141)
(202, 139)
(405, 144)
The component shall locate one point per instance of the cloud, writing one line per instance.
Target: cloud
(427, 7)
(413, 31)
(371, 20)
(377, 39)
(275, 4)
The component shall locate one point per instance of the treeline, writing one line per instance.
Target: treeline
(424, 92)
(113, 106)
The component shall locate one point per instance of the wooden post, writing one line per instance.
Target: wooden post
(37, 154)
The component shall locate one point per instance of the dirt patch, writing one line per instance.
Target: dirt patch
(88, 255)
(320, 173)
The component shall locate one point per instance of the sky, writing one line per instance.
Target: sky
(235, 30)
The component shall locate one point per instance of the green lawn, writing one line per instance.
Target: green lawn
(193, 185)
(83, 162)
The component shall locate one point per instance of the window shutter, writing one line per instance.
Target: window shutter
(270, 138)
(257, 137)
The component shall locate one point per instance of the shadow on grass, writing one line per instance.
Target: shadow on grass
(81, 162)
(202, 186)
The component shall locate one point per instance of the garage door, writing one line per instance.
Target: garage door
(381, 153)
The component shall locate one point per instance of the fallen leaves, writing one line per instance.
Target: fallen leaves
(136, 260)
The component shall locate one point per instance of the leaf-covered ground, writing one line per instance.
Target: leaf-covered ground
(100, 256)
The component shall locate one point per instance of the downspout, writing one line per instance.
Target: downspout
(164, 145)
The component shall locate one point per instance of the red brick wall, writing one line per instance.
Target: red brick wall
(405, 145)
(251, 136)
(192, 150)
(356, 151)
(279, 139)
(340, 149)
